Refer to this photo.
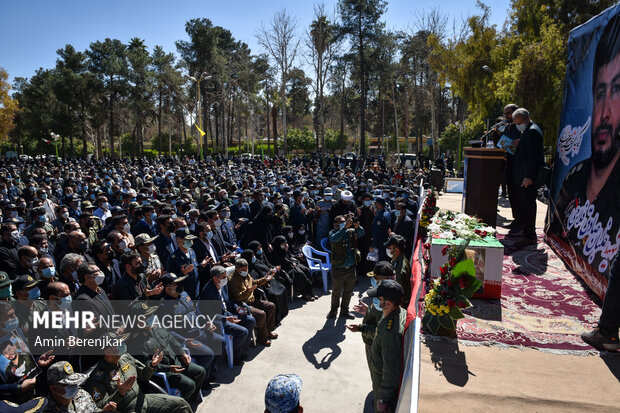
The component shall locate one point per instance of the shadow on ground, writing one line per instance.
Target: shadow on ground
(326, 338)
(612, 360)
(447, 358)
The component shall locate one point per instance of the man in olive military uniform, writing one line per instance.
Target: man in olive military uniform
(372, 313)
(116, 377)
(386, 355)
(6, 288)
(28, 300)
(182, 374)
(395, 249)
(65, 395)
(343, 243)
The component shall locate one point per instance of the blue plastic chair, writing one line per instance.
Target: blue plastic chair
(324, 243)
(228, 345)
(317, 264)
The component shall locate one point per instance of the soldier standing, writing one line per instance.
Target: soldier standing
(386, 356)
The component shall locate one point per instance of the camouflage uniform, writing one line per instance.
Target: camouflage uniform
(61, 373)
(102, 385)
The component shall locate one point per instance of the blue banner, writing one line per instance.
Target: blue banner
(584, 210)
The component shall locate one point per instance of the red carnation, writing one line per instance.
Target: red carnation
(462, 304)
(449, 283)
(443, 270)
(445, 249)
(451, 303)
(453, 262)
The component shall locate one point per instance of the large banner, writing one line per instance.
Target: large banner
(584, 212)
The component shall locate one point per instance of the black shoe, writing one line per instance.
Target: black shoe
(601, 341)
(238, 362)
(332, 314)
(347, 315)
(525, 242)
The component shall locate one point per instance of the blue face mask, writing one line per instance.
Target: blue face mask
(150, 320)
(210, 235)
(396, 212)
(65, 303)
(34, 293)
(11, 324)
(373, 282)
(43, 218)
(187, 244)
(377, 303)
(122, 349)
(259, 252)
(367, 203)
(253, 260)
(342, 224)
(48, 272)
(153, 216)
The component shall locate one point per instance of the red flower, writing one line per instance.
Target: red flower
(453, 262)
(451, 303)
(443, 270)
(445, 249)
(449, 283)
(462, 304)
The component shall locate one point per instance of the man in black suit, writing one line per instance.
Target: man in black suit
(164, 244)
(146, 225)
(528, 160)
(237, 319)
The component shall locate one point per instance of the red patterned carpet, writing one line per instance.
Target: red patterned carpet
(543, 306)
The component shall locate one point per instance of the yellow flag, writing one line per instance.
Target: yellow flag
(202, 133)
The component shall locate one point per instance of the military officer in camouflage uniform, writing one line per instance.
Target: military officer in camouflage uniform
(342, 240)
(386, 355)
(65, 395)
(372, 313)
(116, 377)
(182, 374)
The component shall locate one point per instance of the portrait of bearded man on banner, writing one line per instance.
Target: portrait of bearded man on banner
(588, 205)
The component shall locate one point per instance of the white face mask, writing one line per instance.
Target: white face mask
(65, 215)
(151, 249)
(389, 252)
(243, 273)
(218, 223)
(223, 282)
(126, 228)
(99, 278)
(290, 235)
(521, 127)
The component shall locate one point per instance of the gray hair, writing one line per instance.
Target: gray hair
(521, 113)
(216, 271)
(69, 259)
(241, 262)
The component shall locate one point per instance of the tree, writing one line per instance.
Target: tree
(9, 107)
(359, 22)
(163, 72)
(108, 61)
(279, 39)
(323, 47)
(140, 78)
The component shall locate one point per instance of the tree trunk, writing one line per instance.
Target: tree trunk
(274, 114)
(111, 117)
(363, 84)
(396, 124)
(283, 94)
(83, 124)
(268, 120)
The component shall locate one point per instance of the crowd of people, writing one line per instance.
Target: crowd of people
(170, 234)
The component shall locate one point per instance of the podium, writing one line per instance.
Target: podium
(484, 169)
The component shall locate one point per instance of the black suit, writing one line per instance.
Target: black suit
(8, 256)
(164, 247)
(405, 228)
(528, 160)
(142, 227)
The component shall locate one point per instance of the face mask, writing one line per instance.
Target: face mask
(65, 303)
(122, 245)
(48, 272)
(6, 292)
(122, 349)
(70, 392)
(283, 246)
(522, 127)
(64, 215)
(99, 278)
(243, 273)
(301, 231)
(253, 260)
(74, 275)
(15, 236)
(187, 244)
(377, 303)
(342, 224)
(126, 228)
(368, 203)
(259, 252)
(223, 282)
(34, 293)
(265, 203)
(151, 249)
(44, 196)
(11, 325)
(218, 223)
(225, 214)
(397, 213)
(328, 197)
(153, 216)
(389, 252)
(373, 282)
(502, 128)
(33, 262)
(290, 235)
(13, 214)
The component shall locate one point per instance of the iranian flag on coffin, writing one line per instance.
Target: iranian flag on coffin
(488, 256)
(583, 219)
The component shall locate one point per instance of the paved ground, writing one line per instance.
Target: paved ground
(329, 358)
(509, 380)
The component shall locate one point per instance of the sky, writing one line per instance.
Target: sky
(33, 30)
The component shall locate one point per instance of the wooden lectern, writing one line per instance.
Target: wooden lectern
(484, 169)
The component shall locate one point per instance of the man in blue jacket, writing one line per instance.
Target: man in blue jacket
(380, 226)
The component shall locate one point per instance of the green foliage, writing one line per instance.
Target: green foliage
(301, 139)
(8, 107)
(334, 141)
